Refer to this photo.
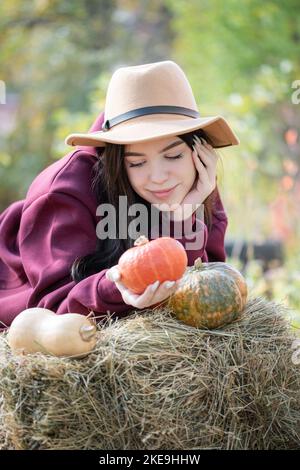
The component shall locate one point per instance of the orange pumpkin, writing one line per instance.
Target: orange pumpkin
(147, 261)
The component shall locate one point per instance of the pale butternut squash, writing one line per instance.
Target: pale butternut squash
(41, 330)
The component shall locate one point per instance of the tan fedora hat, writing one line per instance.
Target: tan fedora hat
(151, 101)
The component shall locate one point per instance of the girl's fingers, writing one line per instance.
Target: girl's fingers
(200, 167)
(203, 142)
(149, 292)
(121, 287)
(128, 296)
(209, 159)
(207, 170)
(154, 293)
(198, 158)
(136, 300)
(203, 155)
(113, 274)
(206, 150)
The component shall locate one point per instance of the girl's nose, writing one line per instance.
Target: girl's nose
(158, 175)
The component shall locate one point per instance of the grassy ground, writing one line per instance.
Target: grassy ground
(281, 284)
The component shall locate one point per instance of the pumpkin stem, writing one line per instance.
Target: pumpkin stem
(142, 240)
(198, 263)
(87, 332)
(91, 316)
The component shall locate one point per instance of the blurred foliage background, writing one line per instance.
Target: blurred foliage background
(242, 59)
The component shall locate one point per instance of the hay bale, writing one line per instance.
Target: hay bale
(3, 434)
(156, 383)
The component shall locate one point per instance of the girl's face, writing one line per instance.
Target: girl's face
(159, 165)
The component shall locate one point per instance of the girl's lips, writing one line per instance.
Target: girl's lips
(162, 194)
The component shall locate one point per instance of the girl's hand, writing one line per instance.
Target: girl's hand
(205, 159)
(153, 294)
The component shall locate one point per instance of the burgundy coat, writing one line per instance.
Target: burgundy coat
(41, 235)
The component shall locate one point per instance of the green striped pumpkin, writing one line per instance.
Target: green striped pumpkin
(209, 295)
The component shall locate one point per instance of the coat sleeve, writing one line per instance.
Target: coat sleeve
(55, 229)
(215, 247)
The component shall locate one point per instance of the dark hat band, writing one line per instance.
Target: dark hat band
(109, 123)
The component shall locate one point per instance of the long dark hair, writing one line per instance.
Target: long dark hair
(109, 181)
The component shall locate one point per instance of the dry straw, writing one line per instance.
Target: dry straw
(155, 383)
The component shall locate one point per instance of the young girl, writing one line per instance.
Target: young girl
(150, 146)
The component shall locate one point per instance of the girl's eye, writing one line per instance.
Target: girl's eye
(132, 165)
(176, 156)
